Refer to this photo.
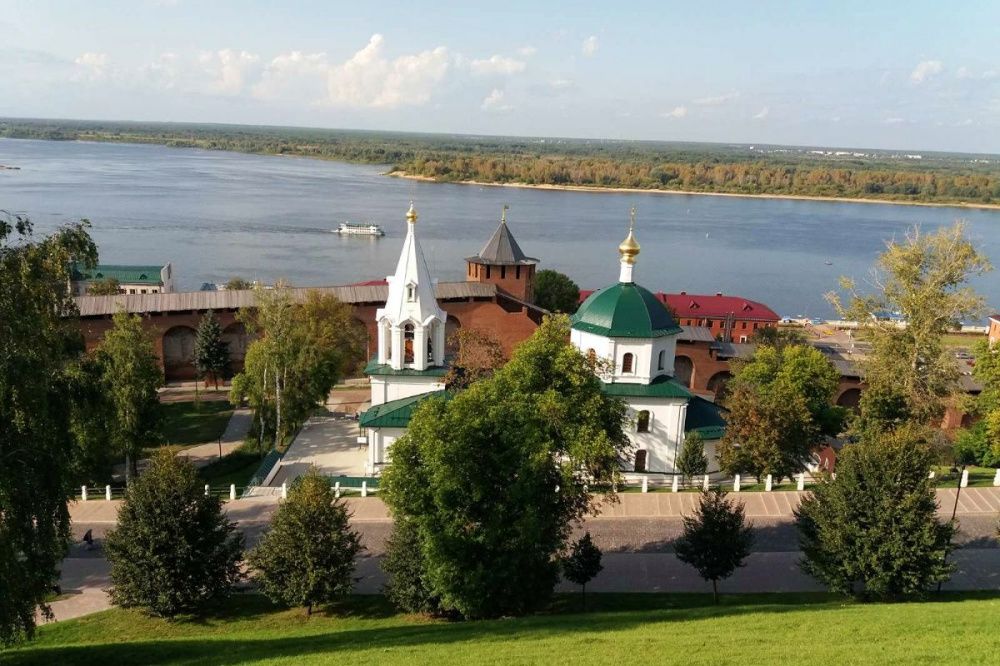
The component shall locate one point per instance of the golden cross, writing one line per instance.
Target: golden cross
(503, 215)
(631, 221)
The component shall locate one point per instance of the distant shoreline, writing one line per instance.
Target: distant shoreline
(635, 190)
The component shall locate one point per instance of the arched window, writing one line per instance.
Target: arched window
(642, 423)
(411, 293)
(430, 346)
(591, 357)
(408, 343)
(640, 460)
(627, 362)
(661, 359)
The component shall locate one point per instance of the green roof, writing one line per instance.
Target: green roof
(624, 310)
(396, 413)
(124, 274)
(705, 418)
(376, 368)
(661, 387)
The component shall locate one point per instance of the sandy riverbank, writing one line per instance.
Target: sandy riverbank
(798, 197)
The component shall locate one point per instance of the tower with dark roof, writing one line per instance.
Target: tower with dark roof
(501, 262)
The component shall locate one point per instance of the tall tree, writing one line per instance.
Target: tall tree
(479, 355)
(174, 550)
(987, 371)
(307, 555)
(556, 292)
(39, 341)
(873, 531)
(211, 354)
(537, 433)
(716, 539)
(692, 461)
(582, 563)
(238, 284)
(106, 287)
(925, 279)
(130, 377)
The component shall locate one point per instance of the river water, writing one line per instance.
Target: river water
(217, 214)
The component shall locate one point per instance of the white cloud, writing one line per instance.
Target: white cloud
(717, 100)
(527, 51)
(925, 70)
(369, 79)
(676, 112)
(295, 76)
(495, 102)
(497, 64)
(162, 73)
(589, 46)
(966, 73)
(561, 84)
(762, 114)
(227, 70)
(92, 66)
(894, 120)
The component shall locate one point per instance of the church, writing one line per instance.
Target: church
(629, 333)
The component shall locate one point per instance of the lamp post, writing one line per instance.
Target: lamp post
(954, 512)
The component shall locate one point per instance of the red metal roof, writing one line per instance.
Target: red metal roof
(711, 306)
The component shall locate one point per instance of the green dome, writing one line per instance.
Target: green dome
(624, 310)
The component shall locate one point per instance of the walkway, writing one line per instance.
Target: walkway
(234, 435)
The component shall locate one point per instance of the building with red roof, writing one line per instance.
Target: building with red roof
(728, 318)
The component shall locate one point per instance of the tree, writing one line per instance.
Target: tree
(780, 405)
(873, 531)
(130, 377)
(406, 568)
(555, 292)
(301, 353)
(479, 355)
(987, 405)
(538, 434)
(692, 462)
(106, 287)
(211, 354)
(582, 564)
(173, 551)
(307, 555)
(778, 337)
(238, 284)
(39, 344)
(717, 538)
(909, 372)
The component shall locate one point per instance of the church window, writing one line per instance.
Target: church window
(411, 293)
(591, 357)
(640, 460)
(487, 272)
(642, 423)
(430, 349)
(661, 360)
(408, 343)
(627, 362)
(517, 272)
(503, 272)
(743, 324)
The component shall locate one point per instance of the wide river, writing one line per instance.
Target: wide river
(216, 215)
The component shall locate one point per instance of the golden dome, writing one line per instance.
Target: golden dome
(411, 215)
(629, 248)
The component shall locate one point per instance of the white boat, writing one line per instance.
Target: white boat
(349, 229)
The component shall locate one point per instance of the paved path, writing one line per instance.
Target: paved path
(232, 438)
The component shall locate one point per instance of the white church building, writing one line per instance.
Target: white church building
(624, 325)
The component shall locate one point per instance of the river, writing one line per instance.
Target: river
(216, 215)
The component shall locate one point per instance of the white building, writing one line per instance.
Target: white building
(634, 334)
(409, 364)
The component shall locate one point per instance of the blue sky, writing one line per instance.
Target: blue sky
(905, 75)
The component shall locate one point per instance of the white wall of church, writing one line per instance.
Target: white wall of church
(380, 441)
(662, 442)
(386, 388)
(645, 354)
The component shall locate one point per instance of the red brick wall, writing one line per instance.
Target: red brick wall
(517, 283)
(741, 327)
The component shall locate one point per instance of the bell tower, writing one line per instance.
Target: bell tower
(502, 263)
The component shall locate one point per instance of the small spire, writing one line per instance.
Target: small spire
(411, 215)
(503, 214)
(628, 250)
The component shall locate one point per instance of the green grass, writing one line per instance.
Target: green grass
(979, 477)
(237, 467)
(191, 423)
(641, 629)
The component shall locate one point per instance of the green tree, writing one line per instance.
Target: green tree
(987, 405)
(406, 568)
(717, 538)
(536, 434)
(106, 287)
(39, 343)
(173, 551)
(555, 292)
(307, 555)
(130, 378)
(238, 284)
(582, 563)
(479, 354)
(973, 446)
(211, 354)
(779, 337)
(873, 531)
(908, 372)
(692, 462)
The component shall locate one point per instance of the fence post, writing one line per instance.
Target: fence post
(996, 478)
(736, 484)
(206, 490)
(676, 484)
(83, 493)
(336, 489)
(930, 475)
(107, 493)
(704, 484)
(364, 489)
(232, 491)
(965, 478)
(767, 484)
(801, 484)
(284, 490)
(645, 484)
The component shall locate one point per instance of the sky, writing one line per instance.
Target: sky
(897, 75)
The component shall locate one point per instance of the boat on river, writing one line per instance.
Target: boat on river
(351, 229)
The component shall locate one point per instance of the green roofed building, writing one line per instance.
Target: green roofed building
(633, 336)
(130, 279)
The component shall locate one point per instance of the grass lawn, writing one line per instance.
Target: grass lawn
(979, 477)
(189, 423)
(237, 467)
(642, 629)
